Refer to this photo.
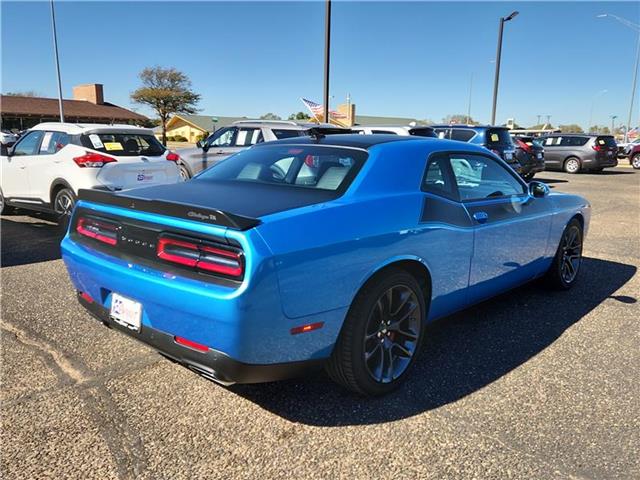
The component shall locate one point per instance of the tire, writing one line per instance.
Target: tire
(63, 204)
(4, 208)
(635, 161)
(374, 329)
(572, 165)
(184, 172)
(560, 276)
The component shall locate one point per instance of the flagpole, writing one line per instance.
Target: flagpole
(327, 47)
(309, 108)
(55, 49)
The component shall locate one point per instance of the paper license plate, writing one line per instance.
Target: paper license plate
(508, 155)
(126, 312)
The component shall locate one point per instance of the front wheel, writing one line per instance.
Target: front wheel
(635, 161)
(572, 165)
(381, 335)
(63, 205)
(563, 272)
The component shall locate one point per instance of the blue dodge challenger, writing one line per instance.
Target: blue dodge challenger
(331, 251)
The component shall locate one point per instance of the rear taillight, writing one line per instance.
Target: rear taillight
(523, 145)
(100, 230)
(597, 148)
(93, 160)
(173, 157)
(202, 256)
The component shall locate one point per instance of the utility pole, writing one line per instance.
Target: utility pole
(539, 117)
(469, 103)
(613, 123)
(496, 79)
(55, 49)
(327, 58)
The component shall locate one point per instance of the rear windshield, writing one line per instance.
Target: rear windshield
(290, 166)
(281, 133)
(123, 144)
(498, 136)
(606, 141)
(422, 132)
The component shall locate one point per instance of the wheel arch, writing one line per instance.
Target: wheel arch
(57, 185)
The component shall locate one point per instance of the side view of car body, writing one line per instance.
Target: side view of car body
(634, 155)
(493, 138)
(530, 155)
(403, 130)
(49, 164)
(229, 140)
(330, 251)
(574, 152)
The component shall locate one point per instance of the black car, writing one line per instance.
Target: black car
(530, 155)
(574, 153)
(496, 139)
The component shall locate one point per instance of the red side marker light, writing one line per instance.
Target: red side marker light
(86, 297)
(306, 328)
(190, 344)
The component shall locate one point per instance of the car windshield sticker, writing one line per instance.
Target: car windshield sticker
(494, 137)
(601, 142)
(95, 141)
(46, 140)
(113, 146)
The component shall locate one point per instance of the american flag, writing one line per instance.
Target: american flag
(318, 109)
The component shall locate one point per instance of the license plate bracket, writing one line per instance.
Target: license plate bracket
(126, 312)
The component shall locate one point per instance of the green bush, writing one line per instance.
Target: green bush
(180, 138)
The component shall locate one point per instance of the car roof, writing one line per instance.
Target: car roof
(79, 128)
(285, 124)
(342, 140)
(471, 127)
(405, 127)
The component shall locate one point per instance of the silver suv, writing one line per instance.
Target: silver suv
(229, 140)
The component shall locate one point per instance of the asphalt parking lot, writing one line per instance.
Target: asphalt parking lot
(533, 384)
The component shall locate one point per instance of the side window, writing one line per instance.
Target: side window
(552, 141)
(247, 137)
(442, 132)
(282, 133)
(437, 179)
(53, 142)
(223, 137)
(28, 145)
(479, 177)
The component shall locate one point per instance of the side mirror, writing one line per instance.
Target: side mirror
(200, 144)
(6, 150)
(538, 189)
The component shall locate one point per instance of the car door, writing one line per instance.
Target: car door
(15, 180)
(553, 157)
(511, 227)
(49, 164)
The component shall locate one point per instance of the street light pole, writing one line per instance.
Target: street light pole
(636, 27)
(498, 58)
(613, 123)
(593, 102)
(55, 49)
(327, 56)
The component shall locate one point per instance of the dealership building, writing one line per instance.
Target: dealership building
(87, 106)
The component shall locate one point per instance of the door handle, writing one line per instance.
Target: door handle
(481, 217)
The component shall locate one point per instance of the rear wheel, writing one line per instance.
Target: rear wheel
(184, 173)
(635, 161)
(381, 335)
(566, 264)
(572, 165)
(63, 204)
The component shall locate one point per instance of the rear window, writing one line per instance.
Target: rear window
(422, 132)
(462, 135)
(281, 133)
(606, 141)
(291, 166)
(498, 136)
(123, 144)
(573, 141)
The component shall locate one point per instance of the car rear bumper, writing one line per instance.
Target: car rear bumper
(212, 364)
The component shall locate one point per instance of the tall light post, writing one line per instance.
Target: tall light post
(593, 102)
(327, 57)
(55, 49)
(469, 103)
(498, 57)
(636, 27)
(613, 123)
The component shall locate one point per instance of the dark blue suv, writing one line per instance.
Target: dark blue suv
(496, 139)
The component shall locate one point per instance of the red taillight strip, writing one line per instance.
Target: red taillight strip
(93, 160)
(306, 328)
(204, 257)
(191, 344)
(91, 228)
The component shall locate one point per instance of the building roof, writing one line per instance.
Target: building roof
(48, 107)
(205, 122)
(371, 120)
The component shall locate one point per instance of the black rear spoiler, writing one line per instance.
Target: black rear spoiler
(187, 212)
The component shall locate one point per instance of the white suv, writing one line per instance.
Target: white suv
(403, 130)
(49, 164)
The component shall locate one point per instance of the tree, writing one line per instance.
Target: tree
(541, 126)
(600, 129)
(571, 128)
(270, 116)
(167, 91)
(27, 93)
(459, 118)
(299, 116)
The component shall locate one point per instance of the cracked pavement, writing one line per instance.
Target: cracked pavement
(532, 384)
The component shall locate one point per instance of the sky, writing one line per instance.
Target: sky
(413, 59)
